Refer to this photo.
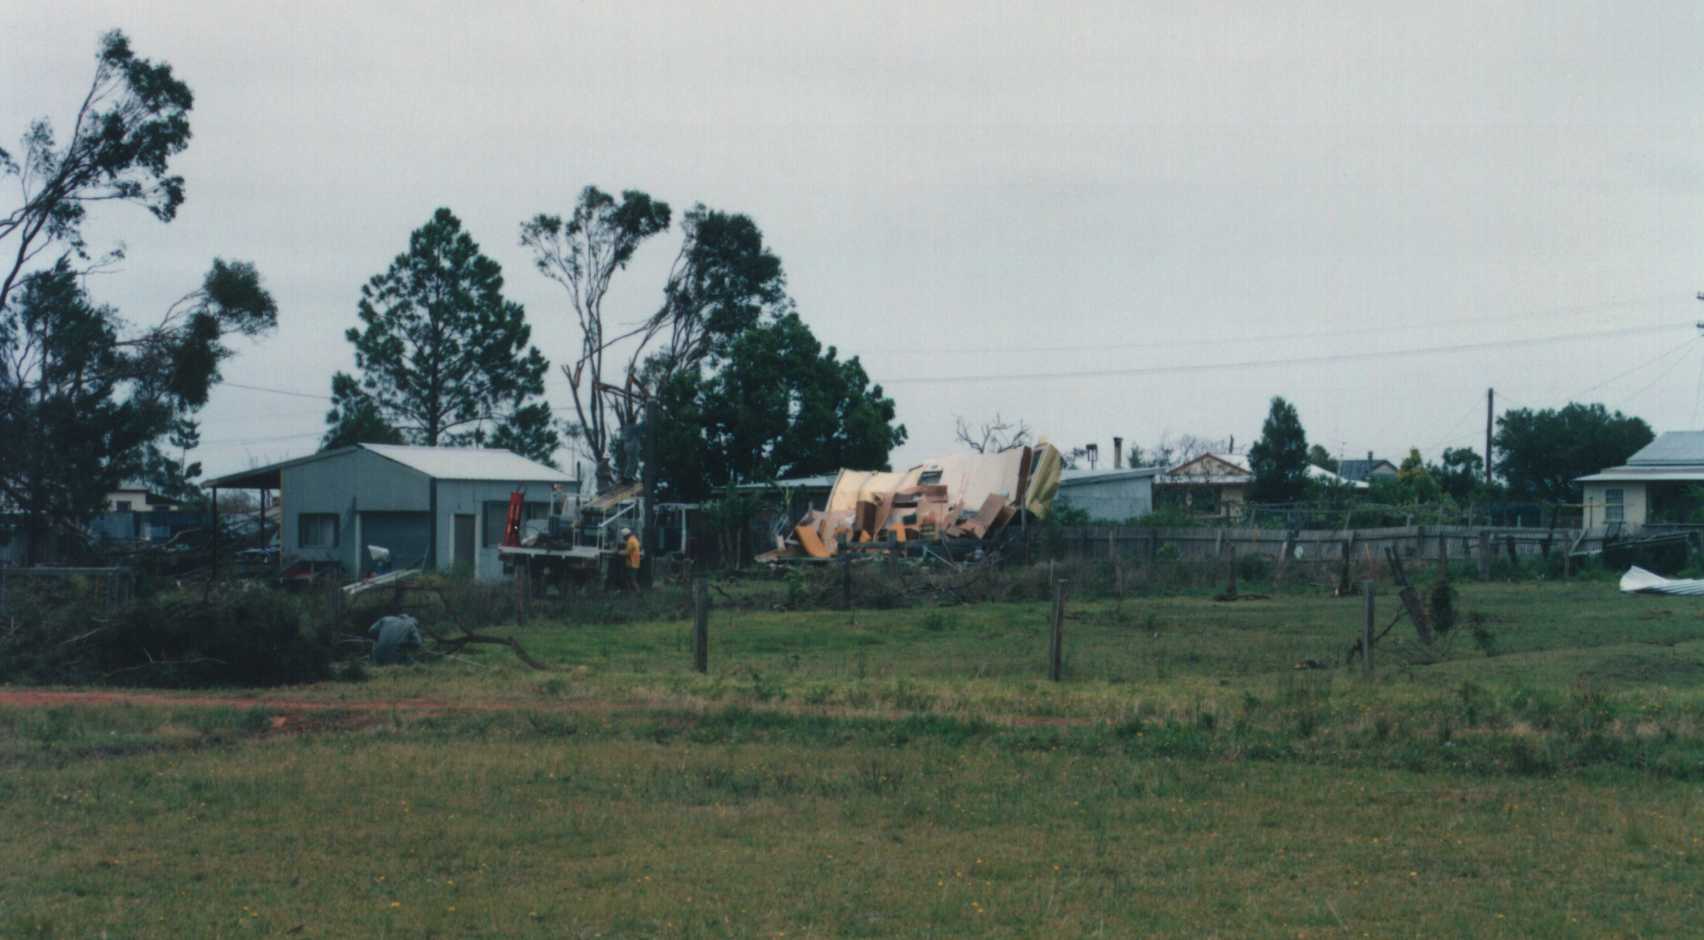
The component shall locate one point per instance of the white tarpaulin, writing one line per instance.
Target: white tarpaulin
(1639, 581)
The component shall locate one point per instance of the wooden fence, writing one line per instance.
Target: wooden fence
(1422, 542)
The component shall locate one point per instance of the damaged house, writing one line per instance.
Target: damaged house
(967, 496)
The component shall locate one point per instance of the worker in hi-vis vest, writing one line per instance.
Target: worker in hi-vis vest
(630, 546)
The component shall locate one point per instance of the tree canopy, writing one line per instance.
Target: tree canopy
(582, 253)
(773, 404)
(1321, 458)
(98, 399)
(1279, 458)
(1539, 454)
(92, 396)
(444, 357)
(1460, 473)
(132, 121)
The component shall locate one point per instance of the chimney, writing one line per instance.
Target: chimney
(1233, 445)
(1117, 452)
(1369, 455)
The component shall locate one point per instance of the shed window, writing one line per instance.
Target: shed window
(316, 530)
(121, 505)
(496, 513)
(1614, 505)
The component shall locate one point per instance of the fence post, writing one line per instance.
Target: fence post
(1484, 555)
(701, 623)
(846, 581)
(1112, 534)
(1367, 588)
(1056, 639)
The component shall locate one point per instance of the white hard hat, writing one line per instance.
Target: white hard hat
(626, 531)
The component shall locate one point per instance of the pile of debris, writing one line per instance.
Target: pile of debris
(969, 496)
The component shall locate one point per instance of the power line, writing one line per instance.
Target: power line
(1660, 375)
(1643, 365)
(1430, 324)
(1293, 361)
(259, 440)
(276, 391)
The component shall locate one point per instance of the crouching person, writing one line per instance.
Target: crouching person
(395, 639)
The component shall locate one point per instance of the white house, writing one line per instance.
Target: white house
(1650, 487)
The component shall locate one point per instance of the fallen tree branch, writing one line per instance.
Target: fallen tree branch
(455, 645)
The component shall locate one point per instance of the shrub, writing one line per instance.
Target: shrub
(1253, 567)
(1440, 606)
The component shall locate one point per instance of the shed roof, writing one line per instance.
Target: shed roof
(440, 463)
(467, 463)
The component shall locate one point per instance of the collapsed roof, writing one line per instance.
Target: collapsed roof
(960, 496)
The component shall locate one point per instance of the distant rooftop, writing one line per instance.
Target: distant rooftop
(1359, 470)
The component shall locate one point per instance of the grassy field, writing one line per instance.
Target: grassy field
(904, 772)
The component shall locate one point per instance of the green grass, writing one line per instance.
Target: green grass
(906, 772)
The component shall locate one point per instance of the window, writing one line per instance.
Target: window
(316, 530)
(929, 478)
(496, 514)
(1613, 506)
(121, 505)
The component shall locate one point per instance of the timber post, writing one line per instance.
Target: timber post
(1367, 590)
(1056, 636)
(701, 623)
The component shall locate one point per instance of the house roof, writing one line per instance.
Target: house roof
(1674, 457)
(440, 463)
(1671, 448)
(1242, 473)
(1103, 474)
(1631, 474)
(1361, 469)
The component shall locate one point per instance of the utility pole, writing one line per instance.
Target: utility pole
(1490, 399)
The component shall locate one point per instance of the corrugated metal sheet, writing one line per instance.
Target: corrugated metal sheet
(468, 463)
(1639, 581)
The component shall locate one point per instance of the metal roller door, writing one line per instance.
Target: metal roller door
(408, 535)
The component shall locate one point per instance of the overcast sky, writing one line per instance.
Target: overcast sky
(1131, 219)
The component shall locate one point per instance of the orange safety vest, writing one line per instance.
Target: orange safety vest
(633, 551)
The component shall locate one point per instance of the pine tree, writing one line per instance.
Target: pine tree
(1280, 458)
(443, 357)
